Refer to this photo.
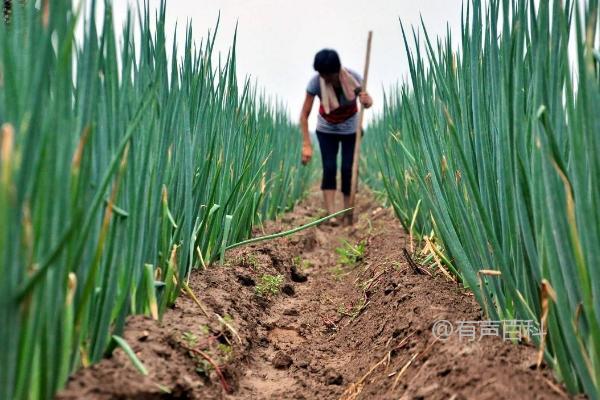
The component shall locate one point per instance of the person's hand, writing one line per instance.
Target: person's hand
(307, 153)
(365, 99)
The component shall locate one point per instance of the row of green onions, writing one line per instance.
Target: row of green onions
(495, 149)
(120, 166)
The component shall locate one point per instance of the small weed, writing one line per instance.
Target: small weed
(300, 263)
(189, 338)
(338, 272)
(252, 261)
(397, 266)
(226, 351)
(269, 285)
(228, 318)
(248, 261)
(203, 367)
(350, 254)
(357, 309)
(204, 329)
(354, 311)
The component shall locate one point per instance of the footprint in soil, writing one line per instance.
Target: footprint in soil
(285, 336)
(332, 377)
(288, 290)
(281, 360)
(297, 276)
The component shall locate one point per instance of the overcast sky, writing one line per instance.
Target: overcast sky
(277, 39)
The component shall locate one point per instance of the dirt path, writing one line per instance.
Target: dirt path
(334, 331)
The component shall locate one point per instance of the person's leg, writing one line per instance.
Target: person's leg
(347, 159)
(329, 200)
(329, 144)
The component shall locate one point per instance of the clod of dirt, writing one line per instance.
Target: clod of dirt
(309, 241)
(401, 329)
(333, 378)
(288, 289)
(403, 297)
(291, 312)
(390, 288)
(246, 280)
(281, 360)
(298, 276)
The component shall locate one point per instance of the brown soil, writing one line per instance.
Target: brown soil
(362, 331)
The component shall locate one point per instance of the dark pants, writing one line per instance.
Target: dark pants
(330, 144)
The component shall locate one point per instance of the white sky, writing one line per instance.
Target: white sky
(277, 39)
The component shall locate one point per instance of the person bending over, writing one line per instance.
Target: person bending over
(338, 89)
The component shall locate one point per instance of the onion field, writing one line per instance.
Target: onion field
(493, 152)
(127, 169)
(120, 172)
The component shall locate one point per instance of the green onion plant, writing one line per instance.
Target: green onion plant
(119, 166)
(498, 141)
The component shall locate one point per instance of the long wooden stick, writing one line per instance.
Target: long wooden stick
(355, 160)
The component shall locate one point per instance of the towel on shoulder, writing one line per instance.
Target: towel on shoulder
(329, 99)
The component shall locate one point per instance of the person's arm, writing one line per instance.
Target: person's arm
(307, 145)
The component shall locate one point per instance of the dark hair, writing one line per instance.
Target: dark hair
(327, 61)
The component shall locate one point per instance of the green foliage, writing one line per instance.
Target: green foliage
(349, 254)
(228, 319)
(190, 339)
(204, 329)
(131, 354)
(269, 285)
(114, 156)
(338, 272)
(354, 311)
(500, 141)
(225, 350)
(251, 261)
(300, 263)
